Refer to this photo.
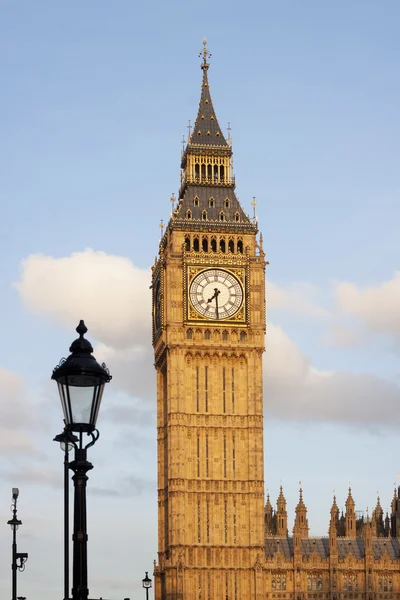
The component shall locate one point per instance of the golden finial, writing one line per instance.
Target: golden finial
(172, 200)
(205, 53)
(254, 204)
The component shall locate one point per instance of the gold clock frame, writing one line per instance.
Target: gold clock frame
(191, 314)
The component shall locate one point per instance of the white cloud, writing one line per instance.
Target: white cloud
(108, 292)
(294, 389)
(299, 299)
(377, 307)
(340, 335)
(115, 297)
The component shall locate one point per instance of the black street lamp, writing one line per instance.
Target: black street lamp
(81, 380)
(146, 583)
(66, 439)
(22, 557)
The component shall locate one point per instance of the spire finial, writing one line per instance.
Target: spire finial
(254, 204)
(172, 200)
(205, 53)
(162, 228)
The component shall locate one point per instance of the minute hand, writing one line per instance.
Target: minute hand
(215, 295)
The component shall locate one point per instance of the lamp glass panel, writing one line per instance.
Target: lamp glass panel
(81, 399)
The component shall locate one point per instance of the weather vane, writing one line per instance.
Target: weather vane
(205, 53)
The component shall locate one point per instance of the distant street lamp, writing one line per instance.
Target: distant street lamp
(81, 380)
(66, 439)
(22, 557)
(146, 583)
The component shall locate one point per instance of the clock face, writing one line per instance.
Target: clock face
(216, 294)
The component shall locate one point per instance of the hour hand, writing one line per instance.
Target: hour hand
(215, 295)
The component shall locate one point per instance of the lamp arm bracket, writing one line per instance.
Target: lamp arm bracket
(95, 436)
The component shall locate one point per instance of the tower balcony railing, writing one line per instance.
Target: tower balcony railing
(216, 180)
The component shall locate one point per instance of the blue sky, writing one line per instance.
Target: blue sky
(95, 100)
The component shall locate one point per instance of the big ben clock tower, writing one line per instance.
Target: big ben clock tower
(208, 337)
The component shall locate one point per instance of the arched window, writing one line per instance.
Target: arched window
(237, 217)
(213, 244)
(188, 214)
(209, 172)
(215, 173)
(222, 244)
(204, 215)
(203, 171)
(211, 202)
(204, 244)
(222, 216)
(197, 171)
(240, 247)
(350, 583)
(196, 245)
(279, 582)
(314, 582)
(189, 334)
(231, 247)
(227, 203)
(187, 243)
(207, 334)
(196, 201)
(225, 335)
(243, 336)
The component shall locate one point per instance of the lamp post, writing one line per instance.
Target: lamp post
(81, 380)
(146, 584)
(22, 557)
(66, 439)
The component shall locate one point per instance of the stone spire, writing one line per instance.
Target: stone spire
(268, 517)
(350, 516)
(281, 515)
(395, 517)
(301, 523)
(333, 527)
(206, 130)
(207, 193)
(378, 525)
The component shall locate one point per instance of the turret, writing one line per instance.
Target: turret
(350, 516)
(387, 525)
(378, 526)
(396, 514)
(368, 532)
(269, 519)
(281, 515)
(333, 527)
(301, 523)
(342, 525)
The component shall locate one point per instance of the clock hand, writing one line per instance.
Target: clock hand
(215, 295)
(217, 292)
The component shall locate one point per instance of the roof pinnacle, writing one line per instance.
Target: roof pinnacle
(204, 53)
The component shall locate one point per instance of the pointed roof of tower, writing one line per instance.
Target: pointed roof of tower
(334, 509)
(300, 505)
(395, 498)
(378, 509)
(281, 502)
(268, 502)
(350, 501)
(206, 130)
